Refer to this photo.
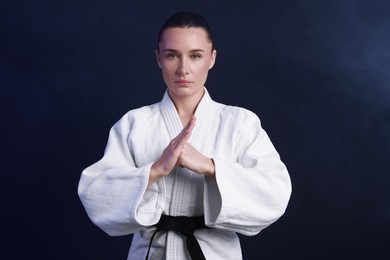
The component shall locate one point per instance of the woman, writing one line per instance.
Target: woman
(186, 174)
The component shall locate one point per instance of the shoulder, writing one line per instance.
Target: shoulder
(237, 114)
(239, 124)
(141, 112)
(236, 120)
(138, 115)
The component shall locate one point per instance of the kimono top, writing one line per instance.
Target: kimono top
(250, 191)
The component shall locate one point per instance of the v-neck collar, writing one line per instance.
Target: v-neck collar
(172, 118)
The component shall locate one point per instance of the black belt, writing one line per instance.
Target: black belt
(185, 226)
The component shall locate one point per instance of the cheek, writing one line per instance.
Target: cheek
(167, 67)
(203, 68)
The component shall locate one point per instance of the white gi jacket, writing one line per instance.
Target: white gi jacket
(250, 192)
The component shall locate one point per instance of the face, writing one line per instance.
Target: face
(185, 56)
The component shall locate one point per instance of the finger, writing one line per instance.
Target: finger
(186, 132)
(189, 127)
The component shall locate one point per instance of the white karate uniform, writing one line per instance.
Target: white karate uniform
(250, 191)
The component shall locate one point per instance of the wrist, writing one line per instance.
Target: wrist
(156, 172)
(210, 171)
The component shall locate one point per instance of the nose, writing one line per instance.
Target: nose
(182, 67)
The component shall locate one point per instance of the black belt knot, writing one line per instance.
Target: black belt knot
(186, 226)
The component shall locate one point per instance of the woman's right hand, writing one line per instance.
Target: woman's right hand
(168, 160)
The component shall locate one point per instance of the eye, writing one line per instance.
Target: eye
(171, 56)
(195, 56)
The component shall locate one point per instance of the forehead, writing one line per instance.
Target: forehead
(184, 38)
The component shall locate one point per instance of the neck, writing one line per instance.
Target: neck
(186, 105)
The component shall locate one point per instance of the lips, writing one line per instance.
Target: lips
(182, 81)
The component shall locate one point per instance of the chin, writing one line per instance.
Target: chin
(184, 91)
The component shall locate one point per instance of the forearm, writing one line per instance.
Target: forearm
(156, 172)
(209, 168)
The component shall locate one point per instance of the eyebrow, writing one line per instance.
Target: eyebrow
(195, 50)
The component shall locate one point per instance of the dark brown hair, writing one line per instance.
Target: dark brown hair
(186, 19)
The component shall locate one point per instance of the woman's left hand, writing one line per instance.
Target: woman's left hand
(195, 161)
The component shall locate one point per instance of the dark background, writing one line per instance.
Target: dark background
(316, 72)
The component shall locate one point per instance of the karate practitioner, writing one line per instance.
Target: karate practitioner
(186, 174)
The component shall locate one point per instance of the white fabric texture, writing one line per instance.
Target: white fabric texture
(251, 189)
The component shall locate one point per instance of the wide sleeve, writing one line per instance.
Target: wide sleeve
(114, 190)
(252, 190)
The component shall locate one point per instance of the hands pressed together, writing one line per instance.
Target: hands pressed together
(179, 153)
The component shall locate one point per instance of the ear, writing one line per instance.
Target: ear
(157, 54)
(213, 57)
